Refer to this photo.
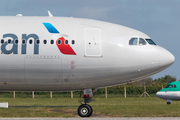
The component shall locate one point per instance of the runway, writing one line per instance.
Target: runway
(142, 118)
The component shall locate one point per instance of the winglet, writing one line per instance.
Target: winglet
(49, 13)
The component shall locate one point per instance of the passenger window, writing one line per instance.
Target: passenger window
(73, 41)
(9, 41)
(59, 42)
(2, 41)
(133, 41)
(37, 41)
(16, 41)
(45, 41)
(23, 41)
(30, 41)
(174, 86)
(66, 42)
(142, 41)
(52, 41)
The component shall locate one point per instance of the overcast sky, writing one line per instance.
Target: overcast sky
(159, 19)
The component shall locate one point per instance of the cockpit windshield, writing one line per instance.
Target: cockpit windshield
(151, 42)
(142, 41)
(170, 86)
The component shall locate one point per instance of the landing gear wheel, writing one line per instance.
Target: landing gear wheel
(91, 110)
(84, 110)
(168, 103)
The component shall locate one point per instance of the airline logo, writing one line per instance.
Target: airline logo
(50, 28)
(65, 49)
(14, 42)
(60, 42)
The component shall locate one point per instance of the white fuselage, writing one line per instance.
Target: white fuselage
(103, 56)
(169, 95)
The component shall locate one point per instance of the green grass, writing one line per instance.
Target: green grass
(137, 107)
(114, 107)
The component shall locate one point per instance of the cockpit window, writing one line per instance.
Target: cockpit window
(151, 42)
(170, 86)
(167, 86)
(142, 41)
(133, 41)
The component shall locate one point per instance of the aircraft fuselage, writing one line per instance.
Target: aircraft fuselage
(61, 54)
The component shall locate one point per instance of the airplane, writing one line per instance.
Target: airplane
(74, 54)
(170, 92)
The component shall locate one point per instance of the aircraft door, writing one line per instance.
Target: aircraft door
(93, 42)
(43, 70)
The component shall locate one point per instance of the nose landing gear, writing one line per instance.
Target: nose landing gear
(168, 102)
(86, 110)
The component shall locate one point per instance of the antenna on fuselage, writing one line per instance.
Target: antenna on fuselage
(19, 15)
(49, 13)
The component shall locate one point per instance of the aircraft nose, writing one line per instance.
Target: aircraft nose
(158, 94)
(166, 58)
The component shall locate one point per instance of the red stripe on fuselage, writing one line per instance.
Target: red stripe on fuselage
(65, 49)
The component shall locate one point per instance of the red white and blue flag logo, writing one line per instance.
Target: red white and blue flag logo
(64, 48)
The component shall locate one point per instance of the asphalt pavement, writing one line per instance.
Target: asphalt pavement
(78, 118)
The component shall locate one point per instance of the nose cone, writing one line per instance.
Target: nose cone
(158, 94)
(162, 95)
(165, 58)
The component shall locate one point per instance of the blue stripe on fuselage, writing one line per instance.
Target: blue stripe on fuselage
(50, 28)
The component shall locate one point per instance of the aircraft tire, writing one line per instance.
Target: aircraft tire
(91, 110)
(85, 110)
(168, 103)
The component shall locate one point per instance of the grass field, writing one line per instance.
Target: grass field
(113, 107)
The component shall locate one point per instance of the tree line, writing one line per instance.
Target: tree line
(152, 86)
